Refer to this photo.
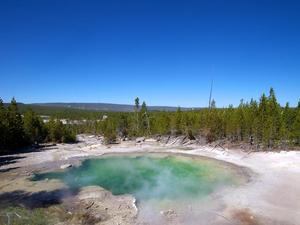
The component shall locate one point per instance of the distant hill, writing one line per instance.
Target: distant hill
(104, 107)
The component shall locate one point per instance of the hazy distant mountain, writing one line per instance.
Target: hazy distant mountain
(106, 107)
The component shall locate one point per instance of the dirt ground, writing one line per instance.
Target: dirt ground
(271, 195)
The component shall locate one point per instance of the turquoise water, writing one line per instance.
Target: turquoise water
(147, 177)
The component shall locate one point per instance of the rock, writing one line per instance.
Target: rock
(168, 213)
(93, 192)
(150, 140)
(101, 205)
(65, 166)
(140, 139)
(158, 138)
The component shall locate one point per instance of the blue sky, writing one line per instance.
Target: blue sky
(164, 51)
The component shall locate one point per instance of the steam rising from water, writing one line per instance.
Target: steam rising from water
(147, 177)
(158, 182)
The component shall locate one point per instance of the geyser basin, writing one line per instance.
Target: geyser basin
(152, 176)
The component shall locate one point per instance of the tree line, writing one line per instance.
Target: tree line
(19, 130)
(263, 123)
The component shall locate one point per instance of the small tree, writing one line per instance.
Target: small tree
(15, 126)
(109, 131)
(178, 121)
(58, 132)
(123, 126)
(3, 127)
(33, 127)
(296, 128)
(136, 110)
(145, 124)
(213, 104)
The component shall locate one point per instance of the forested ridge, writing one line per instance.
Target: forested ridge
(263, 123)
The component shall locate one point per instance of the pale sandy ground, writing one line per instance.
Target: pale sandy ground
(272, 195)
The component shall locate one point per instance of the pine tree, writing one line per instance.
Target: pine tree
(213, 104)
(123, 126)
(3, 127)
(144, 120)
(15, 126)
(263, 123)
(296, 127)
(33, 127)
(58, 132)
(52, 130)
(286, 125)
(137, 119)
(215, 125)
(109, 131)
(253, 115)
(275, 118)
(187, 123)
(160, 123)
(241, 121)
(230, 123)
(178, 121)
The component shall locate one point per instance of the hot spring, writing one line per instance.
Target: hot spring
(149, 176)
